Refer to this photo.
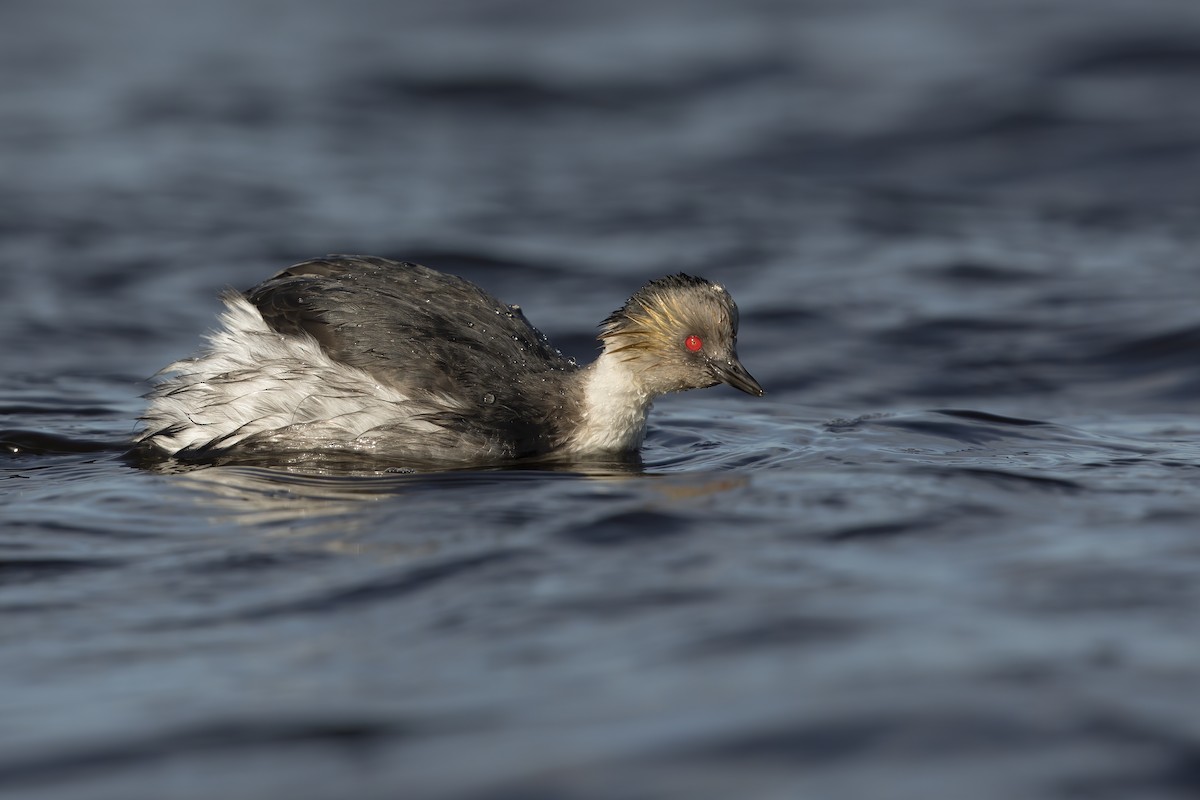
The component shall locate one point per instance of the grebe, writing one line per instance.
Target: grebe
(363, 355)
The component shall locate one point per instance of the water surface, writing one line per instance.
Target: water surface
(952, 552)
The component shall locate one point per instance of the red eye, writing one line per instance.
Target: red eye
(693, 343)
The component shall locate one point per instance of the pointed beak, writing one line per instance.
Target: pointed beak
(732, 372)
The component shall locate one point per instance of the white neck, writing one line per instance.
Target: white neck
(615, 405)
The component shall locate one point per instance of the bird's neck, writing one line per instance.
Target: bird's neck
(614, 404)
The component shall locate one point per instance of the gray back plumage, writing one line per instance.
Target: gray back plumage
(430, 334)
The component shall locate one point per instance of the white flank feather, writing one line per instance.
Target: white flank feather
(251, 380)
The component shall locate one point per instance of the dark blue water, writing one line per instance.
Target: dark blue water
(955, 552)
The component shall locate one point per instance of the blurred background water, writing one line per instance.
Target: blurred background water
(953, 552)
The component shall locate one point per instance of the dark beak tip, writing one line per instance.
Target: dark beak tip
(739, 378)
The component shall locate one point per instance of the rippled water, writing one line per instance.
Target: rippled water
(953, 552)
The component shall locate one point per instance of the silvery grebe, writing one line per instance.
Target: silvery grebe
(363, 355)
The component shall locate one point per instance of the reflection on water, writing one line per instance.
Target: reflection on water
(328, 496)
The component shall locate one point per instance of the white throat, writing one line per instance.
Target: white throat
(615, 405)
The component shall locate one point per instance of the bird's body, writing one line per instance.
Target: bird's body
(358, 355)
